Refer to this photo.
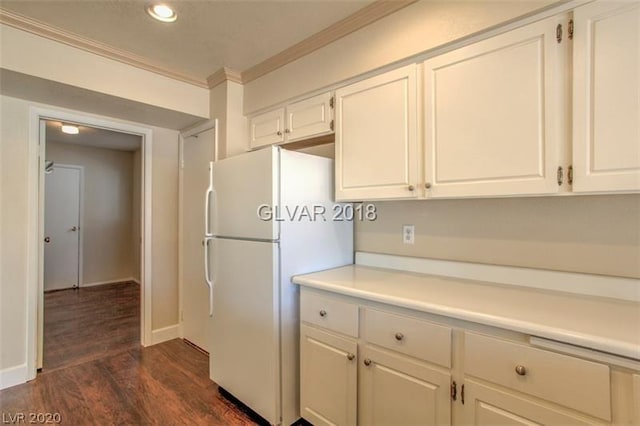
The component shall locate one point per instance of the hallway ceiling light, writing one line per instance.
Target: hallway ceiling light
(162, 12)
(70, 130)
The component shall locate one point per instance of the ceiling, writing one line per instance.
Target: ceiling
(93, 137)
(208, 34)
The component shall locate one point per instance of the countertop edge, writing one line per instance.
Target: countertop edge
(594, 342)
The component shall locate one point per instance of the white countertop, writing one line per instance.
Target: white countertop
(603, 324)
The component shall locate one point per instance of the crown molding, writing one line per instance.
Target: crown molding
(44, 30)
(359, 19)
(222, 75)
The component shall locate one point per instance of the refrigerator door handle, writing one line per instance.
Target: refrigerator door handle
(207, 221)
(207, 197)
(207, 273)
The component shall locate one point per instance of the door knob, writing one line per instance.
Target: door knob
(47, 239)
(74, 228)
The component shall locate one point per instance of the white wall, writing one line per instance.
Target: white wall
(227, 106)
(50, 60)
(14, 228)
(596, 234)
(417, 28)
(107, 198)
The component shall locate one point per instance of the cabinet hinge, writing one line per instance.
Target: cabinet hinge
(462, 395)
(331, 125)
(559, 33)
(454, 391)
(332, 102)
(570, 175)
(560, 176)
(570, 29)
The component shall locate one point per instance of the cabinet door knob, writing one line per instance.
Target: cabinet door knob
(350, 357)
(287, 131)
(399, 336)
(411, 187)
(367, 362)
(279, 133)
(427, 185)
(521, 370)
(323, 313)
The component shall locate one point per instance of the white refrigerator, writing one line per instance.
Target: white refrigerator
(269, 216)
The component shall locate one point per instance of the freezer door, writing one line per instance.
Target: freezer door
(241, 185)
(244, 348)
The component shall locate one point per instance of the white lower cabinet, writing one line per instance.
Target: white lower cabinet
(328, 377)
(390, 366)
(396, 390)
(488, 406)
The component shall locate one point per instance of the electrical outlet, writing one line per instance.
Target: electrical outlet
(408, 234)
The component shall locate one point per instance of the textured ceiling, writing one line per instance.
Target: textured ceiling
(207, 35)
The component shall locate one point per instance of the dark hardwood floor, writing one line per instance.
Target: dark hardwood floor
(95, 372)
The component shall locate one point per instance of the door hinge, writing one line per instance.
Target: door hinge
(570, 29)
(332, 102)
(570, 175)
(462, 395)
(560, 176)
(559, 33)
(454, 390)
(331, 125)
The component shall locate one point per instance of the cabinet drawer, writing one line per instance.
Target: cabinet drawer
(572, 382)
(329, 313)
(414, 337)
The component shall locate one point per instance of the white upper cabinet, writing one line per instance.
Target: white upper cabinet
(494, 115)
(309, 118)
(305, 119)
(376, 137)
(606, 97)
(267, 129)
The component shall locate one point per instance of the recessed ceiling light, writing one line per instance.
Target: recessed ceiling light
(70, 130)
(162, 12)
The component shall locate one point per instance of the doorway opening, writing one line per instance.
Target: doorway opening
(92, 227)
(85, 275)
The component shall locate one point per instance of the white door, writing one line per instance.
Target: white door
(267, 128)
(244, 353)
(376, 137)
(310, 118)
(62, 227)
(328, 378)
(493, 116)
(606, 97)
(395, 390)
(198, 151)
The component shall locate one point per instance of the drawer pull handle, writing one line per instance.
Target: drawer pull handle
(399, 336)
(323, 313)
(367, 362)
(521, 370)
(350, 357)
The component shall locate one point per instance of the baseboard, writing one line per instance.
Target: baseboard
(113, 281)
(13, 376)
(164, 334)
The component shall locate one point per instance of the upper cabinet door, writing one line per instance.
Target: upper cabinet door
(494, 114)
(606, 97)
(267, 129)
(309, 118)
(376, 137)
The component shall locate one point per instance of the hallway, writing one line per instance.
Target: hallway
(96, 372)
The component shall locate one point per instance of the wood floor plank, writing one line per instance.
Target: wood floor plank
(96, 372)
